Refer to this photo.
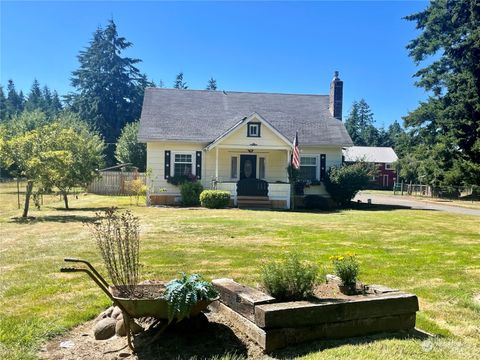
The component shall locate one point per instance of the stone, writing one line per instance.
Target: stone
(104, 329)
(333, 279)
(120, 327)
(116, 312)
(105, 314)
(123, 355)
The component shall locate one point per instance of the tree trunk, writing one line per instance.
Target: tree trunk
(65, 199)
(27, 198)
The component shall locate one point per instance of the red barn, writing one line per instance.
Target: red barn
(382, 157)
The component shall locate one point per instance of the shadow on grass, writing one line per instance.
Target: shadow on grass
(99, 208)
(318, 346)
(53, 218)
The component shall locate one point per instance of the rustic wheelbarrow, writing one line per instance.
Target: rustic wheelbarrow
(132, 308)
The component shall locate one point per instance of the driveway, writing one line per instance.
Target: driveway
(398, 200)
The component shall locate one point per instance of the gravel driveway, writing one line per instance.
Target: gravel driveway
(398, 200)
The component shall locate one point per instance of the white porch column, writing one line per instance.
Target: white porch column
(289, 154)
(216, 163)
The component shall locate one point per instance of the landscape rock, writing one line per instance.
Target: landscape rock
(105, 314)
(333, 279)
(116, 312)
(104, 329)
(120, 327)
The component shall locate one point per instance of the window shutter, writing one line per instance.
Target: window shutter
(198, 161)
(166, 165)
(323, 170)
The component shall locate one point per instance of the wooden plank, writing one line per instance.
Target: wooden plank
(279, 338)
(305, 313)
(241, 323)
(241, 298)
(274, 339)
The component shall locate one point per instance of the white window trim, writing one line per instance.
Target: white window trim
(389, 166)
(251, 126)
(317, 163)
(172, 161)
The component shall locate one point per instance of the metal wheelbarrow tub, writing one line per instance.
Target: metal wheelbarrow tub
(147, 306)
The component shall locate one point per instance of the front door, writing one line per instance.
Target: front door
(385, 180)
(248, 167)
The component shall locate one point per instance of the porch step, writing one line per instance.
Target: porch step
(254, 202)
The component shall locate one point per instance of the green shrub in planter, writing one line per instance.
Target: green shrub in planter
(289, 278)
(316, 202)
(191, 193)
(346, 268)
(214, 199)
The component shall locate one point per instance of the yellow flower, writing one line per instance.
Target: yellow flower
(340, 258)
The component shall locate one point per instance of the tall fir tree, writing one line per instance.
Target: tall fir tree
(448, 122)
(359, 124)
(3, 105)
(179, 83)
(56, 103)
(15, 101)
(212, 84)
(109, 86)
(35, 97)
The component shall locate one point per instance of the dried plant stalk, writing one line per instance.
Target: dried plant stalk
(118, 240)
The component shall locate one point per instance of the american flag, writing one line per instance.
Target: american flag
(296, 153)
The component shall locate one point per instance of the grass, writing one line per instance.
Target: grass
(433, 254)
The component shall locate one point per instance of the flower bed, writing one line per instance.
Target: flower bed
(274, 325)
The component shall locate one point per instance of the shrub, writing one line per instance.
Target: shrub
(214, 199)
(191, 193)
(316, 202)
(346, 268)
(118, 240)
(136, 189)
(343, 183)
(182, 295)
(289, 278)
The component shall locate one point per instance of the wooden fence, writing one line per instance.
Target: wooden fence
(114, 182)
(471, 192)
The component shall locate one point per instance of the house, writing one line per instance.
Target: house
(383, 159)
(240, 142)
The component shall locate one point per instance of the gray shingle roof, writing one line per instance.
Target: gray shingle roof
(370, 154)
(202, 116)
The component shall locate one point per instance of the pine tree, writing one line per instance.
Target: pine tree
(109, 86)
(212, 84)
(352, 123)
(56, 105)
(447, 124)
(35, 97)
(47, 100)
(15, 102)
(3, 105)
(179, 83)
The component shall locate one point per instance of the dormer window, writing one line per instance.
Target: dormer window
(253, 129)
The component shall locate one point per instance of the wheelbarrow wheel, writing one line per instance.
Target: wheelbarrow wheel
(126, 321)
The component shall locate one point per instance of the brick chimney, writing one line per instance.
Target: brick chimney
(336, 97)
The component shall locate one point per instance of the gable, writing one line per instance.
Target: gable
(241, 135)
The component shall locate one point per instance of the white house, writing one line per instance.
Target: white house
(240, 141)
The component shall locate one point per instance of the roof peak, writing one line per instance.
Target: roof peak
(226, 92)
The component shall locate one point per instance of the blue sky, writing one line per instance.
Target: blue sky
(289, 47)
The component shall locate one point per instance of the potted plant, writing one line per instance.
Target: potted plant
(347, 269)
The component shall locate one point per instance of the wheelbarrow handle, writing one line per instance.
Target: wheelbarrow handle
(69, 269)
(100, 277)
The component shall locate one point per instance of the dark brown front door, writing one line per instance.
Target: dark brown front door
(248, 167)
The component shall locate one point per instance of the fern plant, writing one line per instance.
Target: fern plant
(182, 295)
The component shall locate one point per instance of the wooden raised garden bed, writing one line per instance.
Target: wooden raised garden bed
(274, 325)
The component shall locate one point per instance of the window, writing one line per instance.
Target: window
(233, 167)
(253, 129)
(261, 168)
(388, 167)
(309, 168)
(183, 164)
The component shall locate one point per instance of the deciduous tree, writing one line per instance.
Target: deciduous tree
(129, 150)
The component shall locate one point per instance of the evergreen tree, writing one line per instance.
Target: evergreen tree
(109, 86)
(3, 105)
(359, 125)
(56, 105)
(129, 150)
(447, 125)
(35, 97)
(212, 84)
(352, 125)
(15, 102)
(179, 83)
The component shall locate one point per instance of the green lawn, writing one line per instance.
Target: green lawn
(433, 254)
